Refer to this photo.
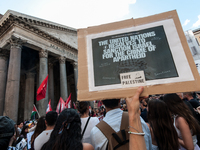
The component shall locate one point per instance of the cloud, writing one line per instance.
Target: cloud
(84, 13)
(197, 23)
(186, 22)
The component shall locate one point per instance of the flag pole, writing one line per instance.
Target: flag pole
(37, 110)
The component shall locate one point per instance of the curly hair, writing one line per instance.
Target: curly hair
(39, 128)
(162, 125)
(66, 133)
(178, 107)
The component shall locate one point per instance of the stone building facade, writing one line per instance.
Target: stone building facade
(30, 49)
(193, 44)
(197, 35)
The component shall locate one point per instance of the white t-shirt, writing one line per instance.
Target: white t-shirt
(19, 130)
(41, 139)
(92, 122)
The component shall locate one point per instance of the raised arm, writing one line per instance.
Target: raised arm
(136, 142)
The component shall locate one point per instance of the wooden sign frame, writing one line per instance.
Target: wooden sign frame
(97, 80)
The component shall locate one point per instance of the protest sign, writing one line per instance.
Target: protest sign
(155, 45)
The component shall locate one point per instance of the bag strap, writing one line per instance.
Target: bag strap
(124, 121)
(105, 129)
(85, 127)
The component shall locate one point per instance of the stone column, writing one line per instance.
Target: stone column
(51, 85)
(29, 95)
(13, 79)
(43, 71)
(63, 78)
(3, 76)
(75, 64)
(37, 82)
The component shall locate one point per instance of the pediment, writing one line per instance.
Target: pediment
(53, 31)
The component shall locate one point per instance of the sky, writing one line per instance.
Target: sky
(85, 13)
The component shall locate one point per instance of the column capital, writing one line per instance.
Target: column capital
(30, 75)
(4, 54)
(16, 42)
(43, 53)
(62, 59)
(75, 64)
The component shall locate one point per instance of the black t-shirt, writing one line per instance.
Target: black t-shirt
(194, 103)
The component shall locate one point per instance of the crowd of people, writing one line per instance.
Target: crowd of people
(158, 122)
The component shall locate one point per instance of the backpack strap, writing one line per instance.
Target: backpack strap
(124, 126)
(108, 130)
(105, 129)
(124, 121)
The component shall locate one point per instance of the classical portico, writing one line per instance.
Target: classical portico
(31, 49)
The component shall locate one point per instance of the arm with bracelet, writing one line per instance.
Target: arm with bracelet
(136, 139)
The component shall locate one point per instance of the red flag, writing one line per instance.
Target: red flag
(100, 104)
(49, 107)
(61, 106)
(41, 92)
(74, 105)
(68, 102)
(58, 107)
(34, 109)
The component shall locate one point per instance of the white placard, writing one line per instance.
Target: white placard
(132, 79)
(181, 64)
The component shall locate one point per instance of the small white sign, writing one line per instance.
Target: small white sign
(133, 79)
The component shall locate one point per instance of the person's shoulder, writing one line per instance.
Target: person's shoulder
(96, 133)
(94, 119)
(181, 123)
(94, 130)
(39, 137)
(180, 119)
(87, 146)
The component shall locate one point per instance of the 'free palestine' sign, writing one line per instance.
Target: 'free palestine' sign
(132, 79)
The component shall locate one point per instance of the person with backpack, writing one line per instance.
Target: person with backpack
(114, 130)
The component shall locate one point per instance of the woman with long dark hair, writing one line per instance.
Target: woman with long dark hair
(185, 124)
(163, 133)
(24, 132)
(39, 128)
(67, 133)
(87, 123)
